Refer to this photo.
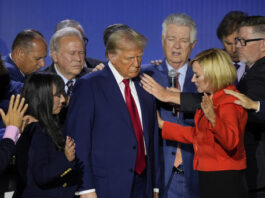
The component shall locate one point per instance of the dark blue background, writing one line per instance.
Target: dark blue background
(146, 16)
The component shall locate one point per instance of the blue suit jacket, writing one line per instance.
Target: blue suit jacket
(160, 74)
(106, 146)
(13, 71)
(49, 173)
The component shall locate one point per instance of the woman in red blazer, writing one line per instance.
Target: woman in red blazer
(218, 135)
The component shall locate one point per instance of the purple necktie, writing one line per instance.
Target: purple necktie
(70, 85)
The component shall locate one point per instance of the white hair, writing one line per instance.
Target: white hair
(68, 31)
(180, 19)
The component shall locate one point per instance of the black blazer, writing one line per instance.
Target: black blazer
(252, 84)
(7, 150)
(92, 62)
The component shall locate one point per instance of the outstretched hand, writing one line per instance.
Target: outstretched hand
(243, 100)
(155, 89)
(15, 114)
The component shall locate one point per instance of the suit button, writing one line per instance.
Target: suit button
(134, 147)
(173, 153)
(131, 170)
(65, 185)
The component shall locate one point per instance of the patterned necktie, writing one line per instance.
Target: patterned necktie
(70, 85)
(135, 119)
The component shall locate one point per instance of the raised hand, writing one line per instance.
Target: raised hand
(207, 107)
(69, 149)
(16, 111)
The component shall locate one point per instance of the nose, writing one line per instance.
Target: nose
(137, 61)
(62, 99)
(193, 78)
(177, 44)
(234, 47)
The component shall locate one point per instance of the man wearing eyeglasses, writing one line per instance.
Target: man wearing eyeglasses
(250, 44)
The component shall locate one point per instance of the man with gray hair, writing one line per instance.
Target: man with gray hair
(178, 39)
(89, 62)
(67, 50)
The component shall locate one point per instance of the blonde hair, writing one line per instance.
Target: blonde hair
(217, 67)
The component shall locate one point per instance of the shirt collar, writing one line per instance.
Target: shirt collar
(182, 70)
(64, 79)
(115, 73)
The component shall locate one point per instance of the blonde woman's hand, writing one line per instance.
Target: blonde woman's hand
(207, 107)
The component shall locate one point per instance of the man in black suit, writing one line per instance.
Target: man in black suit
(251, 48)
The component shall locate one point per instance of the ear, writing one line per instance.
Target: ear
(193, 44)
(54, 56)
(112, 57)
(19, 53)
(162, 40)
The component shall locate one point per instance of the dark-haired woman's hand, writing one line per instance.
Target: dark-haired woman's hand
(69, 149)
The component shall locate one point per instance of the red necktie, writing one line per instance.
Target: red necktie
(130, 103)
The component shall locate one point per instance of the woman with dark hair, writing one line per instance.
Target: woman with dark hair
(45, 159)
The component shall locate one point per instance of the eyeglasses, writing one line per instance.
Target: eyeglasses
(85, 40)
(244, 42)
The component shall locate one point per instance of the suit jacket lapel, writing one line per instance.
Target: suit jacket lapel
(114, 95)
(144, 101)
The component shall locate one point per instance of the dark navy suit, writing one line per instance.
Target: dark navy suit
(13, 71)
(106, 145)
(160, 74)
(7, 150)
(49, 174)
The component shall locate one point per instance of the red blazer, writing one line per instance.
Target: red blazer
(219, 148)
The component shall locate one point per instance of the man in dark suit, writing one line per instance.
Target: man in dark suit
(67, 50)
(251, 48)
(28, 52)
(113, 122)
(226, 33)
(178, 39)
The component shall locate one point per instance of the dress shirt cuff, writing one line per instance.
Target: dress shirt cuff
(156, 190)
(12, 132)
(85, 192)
(257, 111)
